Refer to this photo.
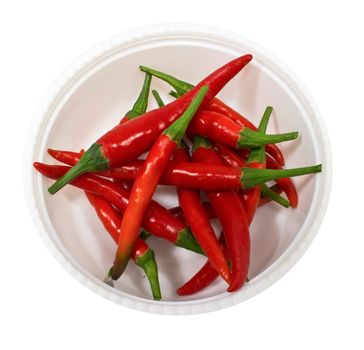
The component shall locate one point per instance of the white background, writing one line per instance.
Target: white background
(319, 303)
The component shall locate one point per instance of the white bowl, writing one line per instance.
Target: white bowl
(89, 98)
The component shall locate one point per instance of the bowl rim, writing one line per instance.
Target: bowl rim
(269, 276)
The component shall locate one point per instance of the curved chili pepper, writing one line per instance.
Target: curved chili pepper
(184, 174)
(127, 141)
(146, 182)
(217, 127)
(196, 175)
(231, 213)
(198, 220)
(215, 105)
(205, 276)
(286, 184)
(157, 219)
(142, 255)
(141, 104)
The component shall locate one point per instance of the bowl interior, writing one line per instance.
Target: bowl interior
(96, 100)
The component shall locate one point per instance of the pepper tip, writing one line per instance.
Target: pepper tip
(249, 57)
(51, 152)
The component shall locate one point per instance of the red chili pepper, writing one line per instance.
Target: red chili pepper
(198, 220)
(286, 184)
(196, 175)
(231, 213)
(127, 141)
(157, 219)
(142, 255)
(184, 174)
(205, 276)
(146, 182)
(215, 105)
(217, 127)
(141, 104)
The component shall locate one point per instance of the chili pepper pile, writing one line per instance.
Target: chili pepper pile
(198, 144)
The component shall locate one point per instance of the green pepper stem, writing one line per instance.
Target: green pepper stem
(158, 98)
(91, 160)
(268, 193)
(252, 139)
(149, 265)
(180, 86)
(145, 235)
(178, 128)
(141, 104)
(174, 94)
(199, 141)
(187, 241)
(258, 154)
(252, 177)
(265, 119)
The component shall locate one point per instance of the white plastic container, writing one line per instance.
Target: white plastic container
(89, 98)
